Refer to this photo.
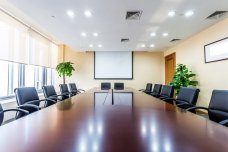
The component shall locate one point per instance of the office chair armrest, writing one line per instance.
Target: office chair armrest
(55, 97)
(181, 104)
(141, 90)
(224, 122)
(81, 90)
(49, 99)
(169, 99)
(163, 98)
(195, 108)
(17, 110)
(30, 106)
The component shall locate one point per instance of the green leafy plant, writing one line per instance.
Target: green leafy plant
(65, 69)
(183, 78)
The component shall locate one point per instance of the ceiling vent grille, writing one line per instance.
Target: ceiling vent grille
(125, 40)
(217, 14)
(175, 40)
(133, 15)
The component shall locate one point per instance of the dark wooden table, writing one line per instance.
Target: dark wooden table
(91, 122)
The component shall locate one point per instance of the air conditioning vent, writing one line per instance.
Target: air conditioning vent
(133, 15)
(217, 14)
(125, 40)
(175, 40)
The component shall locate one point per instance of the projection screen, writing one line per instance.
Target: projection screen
(113, 65)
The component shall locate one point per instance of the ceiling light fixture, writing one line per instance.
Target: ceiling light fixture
(91, 45)
(143, 45)
(171, 13)
(100, 46)
(153, 34)
(165, 34)
(88, 13)
(70, 13)
(189, 13)
(95, 34)
(84, 34)
(152, 45)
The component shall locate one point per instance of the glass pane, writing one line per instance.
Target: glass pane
(40, 79)
(49, 76)
(29, 76)
(4, 78)
(13, 77)
(54, 76)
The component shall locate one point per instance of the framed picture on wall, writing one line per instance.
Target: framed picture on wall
(216, 51)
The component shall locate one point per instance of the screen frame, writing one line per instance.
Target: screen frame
(132, 64)
(205, 51)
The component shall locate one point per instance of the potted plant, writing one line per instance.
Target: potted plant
(183, 78)
(65, 69)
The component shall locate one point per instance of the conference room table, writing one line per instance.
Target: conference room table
(113, 121)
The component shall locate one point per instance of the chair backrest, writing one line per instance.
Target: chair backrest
(26, 94)
(73, 88)
(105, 85)
(64, 90)
(167, 91)
(1, 115)
(49, 91)
(148, 87)
(118, 86)
(218, 107)
(188, 95)
(157, 88)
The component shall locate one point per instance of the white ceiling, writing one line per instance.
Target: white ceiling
(108, 20)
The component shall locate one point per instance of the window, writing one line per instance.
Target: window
(14, 75)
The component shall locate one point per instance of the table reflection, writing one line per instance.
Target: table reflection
(155, 138)
(90, 137)
(115, 98)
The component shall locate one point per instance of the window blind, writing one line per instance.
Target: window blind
(14, 40)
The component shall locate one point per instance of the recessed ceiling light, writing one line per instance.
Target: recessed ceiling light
(143, 45)
(189, 13)
(152, 45)
(165, 34)
(153, 34)
(171, 13)
(91, 45)
(83, 34)
(88, 13)
(99, 45)
(95, 34)
(70, 13)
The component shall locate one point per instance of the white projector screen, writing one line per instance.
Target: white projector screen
(113, 65)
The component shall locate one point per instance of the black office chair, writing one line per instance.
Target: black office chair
(64, 91)
(218, 107)
(166, 92)
(105, 85)
(24, 112)
(148, 88)
(74, 90)
(118, 86)
(156, 90)
(186, 98)
(28, 99)
(49, 92)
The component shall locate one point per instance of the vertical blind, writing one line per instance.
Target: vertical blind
(23, 45)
